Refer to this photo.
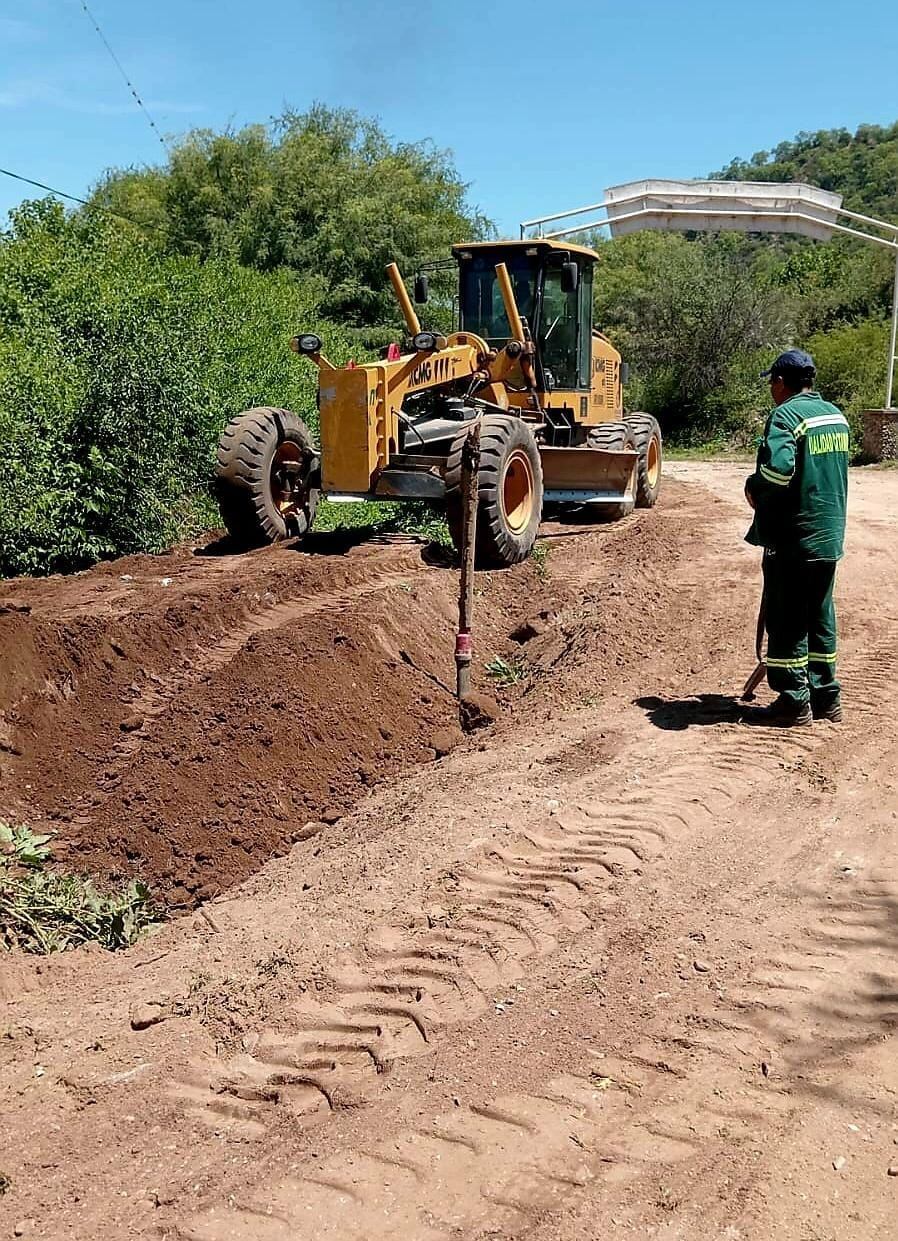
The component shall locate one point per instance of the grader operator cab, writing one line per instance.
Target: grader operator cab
(525, 361)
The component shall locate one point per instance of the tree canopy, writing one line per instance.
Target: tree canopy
(324, 192)
(862, 167)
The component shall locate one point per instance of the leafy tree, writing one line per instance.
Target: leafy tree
(692, 316)
(325, 192)
(851, 366)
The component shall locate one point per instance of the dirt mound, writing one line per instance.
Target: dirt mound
(612, 633)
(183, 717)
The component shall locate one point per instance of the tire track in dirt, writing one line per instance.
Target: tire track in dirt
(489, 915)
(490, 1168)
(507, 906)
(163, 691)
(526, 1151)
(480, 1167)
(688, 1092)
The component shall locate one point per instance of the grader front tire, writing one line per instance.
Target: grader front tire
(263, 477)
(510, 487)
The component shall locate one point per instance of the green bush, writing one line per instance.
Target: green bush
(118, 367)
(851, 368)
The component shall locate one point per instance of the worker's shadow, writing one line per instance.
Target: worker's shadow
(675, 714)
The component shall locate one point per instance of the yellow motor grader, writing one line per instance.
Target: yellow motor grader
(525, 361)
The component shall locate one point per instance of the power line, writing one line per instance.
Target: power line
(118, 215)
(118, 64)
(49, 188)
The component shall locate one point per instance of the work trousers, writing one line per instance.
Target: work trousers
(801, 628)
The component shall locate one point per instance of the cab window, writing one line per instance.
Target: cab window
(557, 335)
(482, 309)
(585, 292)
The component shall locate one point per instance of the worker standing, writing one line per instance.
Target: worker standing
(798, 492)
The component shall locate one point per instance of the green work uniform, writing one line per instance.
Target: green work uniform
(799, 490)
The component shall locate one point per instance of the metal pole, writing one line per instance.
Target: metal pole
(893, 346)
(688, 216)
(867, 219)
(560, 215)
(470, 472)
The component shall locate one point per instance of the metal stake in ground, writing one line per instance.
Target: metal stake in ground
(470, 471)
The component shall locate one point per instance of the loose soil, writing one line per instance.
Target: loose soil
(616, 965)
(181, 717)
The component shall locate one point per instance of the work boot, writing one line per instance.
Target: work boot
(831, 711)
(783, 712)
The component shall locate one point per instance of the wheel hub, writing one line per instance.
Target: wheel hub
(653, 462)
(287, 470)
(517, 491)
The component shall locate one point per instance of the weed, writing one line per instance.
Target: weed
(272, 965)
(666, 1201)
(198, 984)
(20, 846)
(44, 911)
(506, 673)
(415, 517)
(540, 557)
(5, 1183)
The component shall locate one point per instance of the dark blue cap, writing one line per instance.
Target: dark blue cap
(791, 360)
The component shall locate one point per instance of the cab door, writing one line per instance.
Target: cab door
(558, 335)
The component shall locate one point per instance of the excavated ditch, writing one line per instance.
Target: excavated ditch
(182, 718)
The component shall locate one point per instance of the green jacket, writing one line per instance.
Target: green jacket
(800, 483)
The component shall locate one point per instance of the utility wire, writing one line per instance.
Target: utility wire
(118, 64)
(118, 215)
(50, 190)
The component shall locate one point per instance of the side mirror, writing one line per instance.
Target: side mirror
(625, 372)
(422, 290)
(570, 277)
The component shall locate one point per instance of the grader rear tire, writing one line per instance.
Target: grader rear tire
(511, 491)
(647, 436)
(613, 436)
(263, 477)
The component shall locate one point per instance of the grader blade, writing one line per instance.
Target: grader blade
(588, 475)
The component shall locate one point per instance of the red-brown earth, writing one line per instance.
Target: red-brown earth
(617, 966)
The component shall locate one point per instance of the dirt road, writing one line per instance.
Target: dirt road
(619, 966)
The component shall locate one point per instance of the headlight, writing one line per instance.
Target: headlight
(424, 342)
(308, 342)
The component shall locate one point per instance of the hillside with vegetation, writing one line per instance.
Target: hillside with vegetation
(697, 315)
(131, 329)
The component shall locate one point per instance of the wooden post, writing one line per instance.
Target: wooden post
(470, 471)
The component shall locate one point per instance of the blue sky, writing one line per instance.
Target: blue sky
(543, 104)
